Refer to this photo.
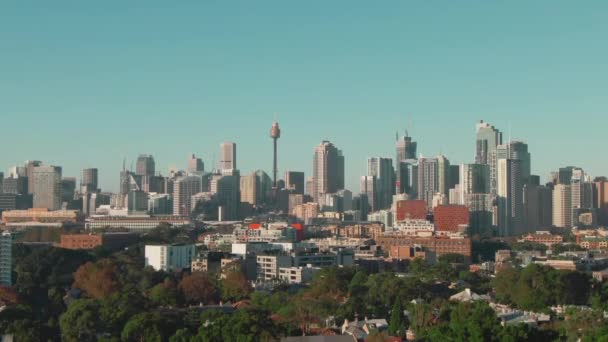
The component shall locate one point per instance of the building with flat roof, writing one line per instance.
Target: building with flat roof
(169, 258)
(110, 241)
(42, 215)
(137, 224)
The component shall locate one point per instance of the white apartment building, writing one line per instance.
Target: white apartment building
(169, 257)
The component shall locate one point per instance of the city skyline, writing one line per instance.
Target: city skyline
(189, 70)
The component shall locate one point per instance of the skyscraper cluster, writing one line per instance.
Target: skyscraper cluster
(498, 188)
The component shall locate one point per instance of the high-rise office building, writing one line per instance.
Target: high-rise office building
(47, 187)
(184, 188)
(488, 137)
(382, 169)
(487, 140)
(428, 179)
(294, 180)
(255, 188)
(30, 165)
(228, 156)
(407, 175)
(538, 207)
(562, 206)
(600, 200)
(145, 165)
(328, 170)
(68, 189)
(474, 179)
(369, 192)
(195, 165)
(89, 181)
(513, 172)
(226, 186)
(443, 175)
(405, 149)
(6, 258)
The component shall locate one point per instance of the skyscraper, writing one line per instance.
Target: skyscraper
(195, 165)
(30, 165)
(443, 175)
(368, 189)
(6, 258)
(145, 165)
(407, 173)
(328, 169)
(89, 181)
(382, 169)
(513, 172)
(228, 156)
(428, 179)
(255, 188)
(294, 180)
(227, 188)
(406, 149)
(600, 199)
(183, 189)
(275, 134)
(488, 137)
(562, 206)
(47, 187)
(68, 189)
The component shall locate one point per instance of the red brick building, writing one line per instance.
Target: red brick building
(411, 209)
(438, 245)
(111, 241)
(451, 217)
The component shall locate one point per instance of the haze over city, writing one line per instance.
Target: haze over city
(318, 171)
(86, 85)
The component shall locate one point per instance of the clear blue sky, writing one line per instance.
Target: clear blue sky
(85, 83)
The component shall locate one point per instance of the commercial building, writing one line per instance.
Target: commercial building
(40, 215)
(562, 206)
(411, 209)
(436, 244)
(294, 180)
(110, 241)
(183, 189)
(47, 187)
(228, 156)
(454, 218)
(138, 224)
(382, 169)
(6, 258)
(145, 165)
(544, 237)
(600, 199)
(90, 180)
(306, 212)
(328, 170)
(169, 258)
(195, 165)
(428, 179)
(370, 190)
(405, 149)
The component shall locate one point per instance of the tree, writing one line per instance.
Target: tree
(164, 294)
(235, 286)
(80, 323)
(120, 306)
(396, 326)
(143, 327)
(197, 288)
(181, 335)
(98, 280)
